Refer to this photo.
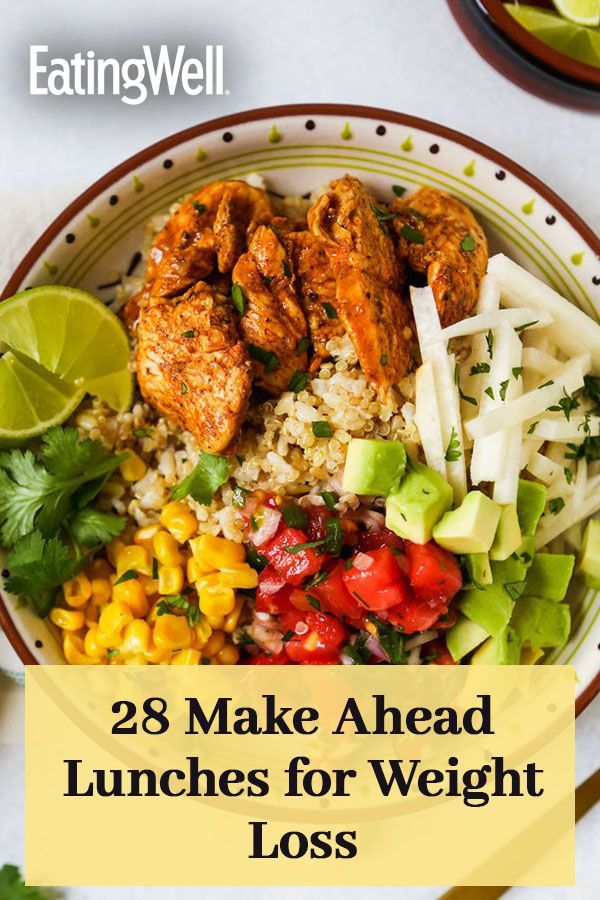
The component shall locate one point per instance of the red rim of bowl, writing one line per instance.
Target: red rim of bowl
(269, 112)
(560, 62)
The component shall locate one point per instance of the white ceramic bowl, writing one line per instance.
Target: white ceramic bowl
(298, 149)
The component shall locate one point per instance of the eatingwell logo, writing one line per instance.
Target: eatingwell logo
(132, 80)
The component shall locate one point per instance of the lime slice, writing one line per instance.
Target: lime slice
(582, 12)
(31, 399)
(71, 334)
(565, 37)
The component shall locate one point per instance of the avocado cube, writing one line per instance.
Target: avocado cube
(549, 575)
(529, 656)
(421, 500)
(510, 574)
(464, 637)
(540, 622)
(503, 650)
(478, 569)
(490, 607)
(531, 502)
(589, 561)
(508, 534)
(374, 467)
(471, 527)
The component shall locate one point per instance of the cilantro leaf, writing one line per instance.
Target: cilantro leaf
(453, 451)
(211, 472)
(468, 243)
(92, 528)
(38, 567)
(12, 886)
(238, 298)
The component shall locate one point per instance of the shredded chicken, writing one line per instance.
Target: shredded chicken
(439, 236)
(368, 280)
(193, 366)
(273, 323)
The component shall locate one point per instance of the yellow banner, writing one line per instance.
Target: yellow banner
(346, 775)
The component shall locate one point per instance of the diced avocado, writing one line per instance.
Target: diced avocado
(490, 607)
(510, 574)
(478, 569)
(531, 501)
(549, 575)
(529, 656)
(421, 500)
(374, 467)
(471, 527)
(589, 561)
(540, 622)
(503, 650)
(508, 534)
(464, 637)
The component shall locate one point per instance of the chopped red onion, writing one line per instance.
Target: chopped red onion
(362, 562)
(268, 527)
(272, 586)
(419, 639)
(374, 647)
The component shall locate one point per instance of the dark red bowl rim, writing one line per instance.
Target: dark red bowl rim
(566, 65)
(269, 112)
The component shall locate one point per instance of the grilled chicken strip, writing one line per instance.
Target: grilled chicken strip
(273, 323)
(438, 235)
(315, 283)
(192, 365)
(210, 230)
(368, 280)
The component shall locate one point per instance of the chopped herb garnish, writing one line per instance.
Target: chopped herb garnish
(184, 387)
(391, 640)
(461, 393)
(302, 346)
(532, 427)
(453, 451)
(154, 568)
(268, 359)
(384, 215)
(383, 359)
(520, 328)
(334, 536)
(398, 190)
(514, 589)
(288, 635)
(238, 299)
(191, 333)
(253, 524)
(591, 388)
(566, 404)
(330, 498)
(199, 207)
(112, 653)
(503, 387)
(490, 392)
(468, 243)
(129, 575)
(202, 484)
(315, 580)
(313, 602)
(267, 279)
(141, 432)
(308, 545)
(175, 603)
(568, 474)
(489, 340)
(517, 371)
(330, 311)
(294, 516)
(322, 429)
(255, 559)
(286, 269)
(298, 382)
(239, 495)
(480, 368)
(411, 234)
(545, 384)
(555, 505)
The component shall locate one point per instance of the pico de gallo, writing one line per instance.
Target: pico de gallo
(331, 591)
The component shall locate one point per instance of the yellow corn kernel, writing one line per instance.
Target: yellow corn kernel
(90, 644)
(113, 549)
(78, 590)
(133, 558)
(137, 660)
(133, 468)
(231, 621)
(188, 657)
(178, 518)
(92, 614)
(229, 655)
(170, 579)
(216, 622)
(149, 584)
(204, 567)
(155, 655)
(194, 571)
(243, 577)
(202, 632)
(101, 590)
(99, 568)
(216, 600)
(214, 644)
(113, 619)
(219, 552)
(166, 549)
(74, 651)
(172, 632)
(136, 637)
(144, 536)
(67, 619)
(132, 594)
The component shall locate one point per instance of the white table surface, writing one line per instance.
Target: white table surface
(402, 54)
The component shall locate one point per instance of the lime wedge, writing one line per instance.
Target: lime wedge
(582, 12)
(572, 40)
(73, 335)
(31, 399)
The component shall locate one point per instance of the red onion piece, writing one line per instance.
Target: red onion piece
(270, 519)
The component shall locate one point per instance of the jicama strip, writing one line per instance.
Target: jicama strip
(427, 418)
(539, 361)
(499, 385)
(581, 482)
(572, 513)
(506, 484)
(572, 330)
(532, 403)
(516, 318)
(529, 446)
(575, 429)
(574, 536)
(544, 469)
(427, 320)
(471, 376)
